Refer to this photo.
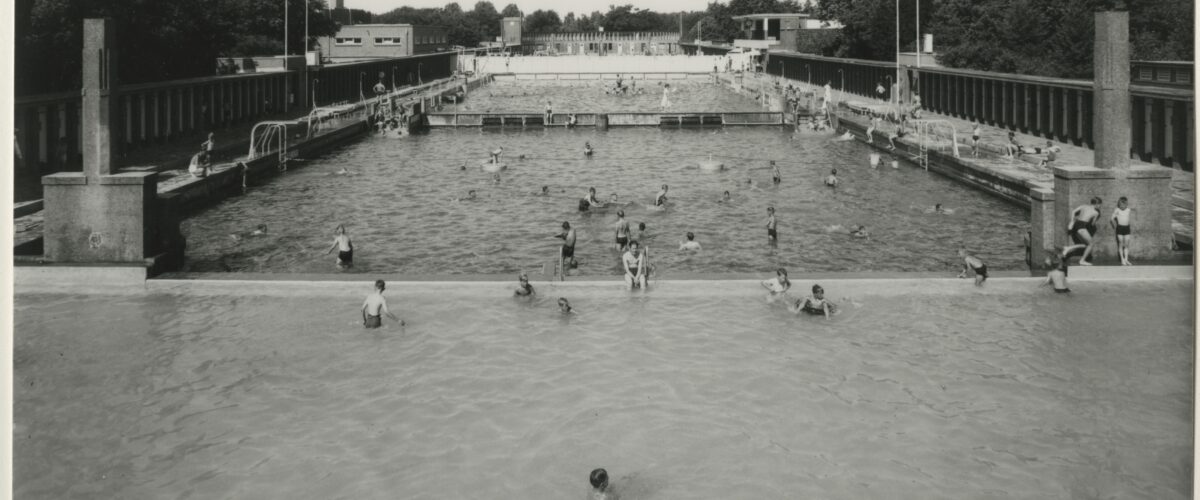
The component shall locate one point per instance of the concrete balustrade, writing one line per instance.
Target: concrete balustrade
(49, 125)
(592, 64)
(1163, 123)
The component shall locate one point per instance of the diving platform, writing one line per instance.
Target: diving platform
(664, 119)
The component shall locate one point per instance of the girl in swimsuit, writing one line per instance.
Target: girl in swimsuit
(777, 285)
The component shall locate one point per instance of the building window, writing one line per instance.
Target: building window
(389, 41)
(1145, 74)
(1182, 76)
(347, 41)
(1164, 75)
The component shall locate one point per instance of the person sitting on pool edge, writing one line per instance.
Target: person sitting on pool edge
(690, 244)
(375, 306)
(599, 481)
(815, 304)
(832, 180)
(524, 289)
(1057, 277)
(632, 262)
(345, 248)
(973, 263)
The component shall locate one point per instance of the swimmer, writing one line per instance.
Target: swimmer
(342, 171)
(632, 262)
(524, 289)
(832, 180)
(973, 263)
(860, 232)
(815, 304)
(776, 177)
(571, 120)
(771, 234)
(375, 307)
(845, 137)
(939, 209)
(976, 132)
(599, 480)
(545, 191)
(622, 231)
(496, 178)
(777, 285)
(1057, 277)
(260, 230)
(1082, 228)
(566, 254)
(496, 154)
(564, 307)
(750, 184)
(614, 200)
(660, 199)
(469, 197)
(344, 247)
(587, 149)
(725, 198)
(642, 235)
(588, 202)
(521, 157)
(691, 244)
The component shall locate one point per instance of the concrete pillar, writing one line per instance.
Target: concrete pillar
(1042, 226)
(1110, 88)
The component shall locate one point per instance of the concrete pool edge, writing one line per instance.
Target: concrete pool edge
(133, 280)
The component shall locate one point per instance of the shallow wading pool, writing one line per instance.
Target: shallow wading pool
(919, 389)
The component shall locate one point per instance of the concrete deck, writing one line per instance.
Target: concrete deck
(993, 142)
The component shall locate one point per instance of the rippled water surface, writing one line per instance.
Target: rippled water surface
(964, 394)
(397, 206)
(588, 96)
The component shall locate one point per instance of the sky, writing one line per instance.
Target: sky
(562, 7)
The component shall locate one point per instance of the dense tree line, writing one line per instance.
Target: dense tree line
(1040, 37)
(156, 39)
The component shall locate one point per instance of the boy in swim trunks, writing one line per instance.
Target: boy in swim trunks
(771, 234)
(345, 248)
(1121, 219)
(1083, 227)
(975, 133)
(375, 307)
(691, 244)
(815, 304)
(589, 201)
(661, 198)
(622, 235)
(776, 176)
(566, 254)
(973, 263)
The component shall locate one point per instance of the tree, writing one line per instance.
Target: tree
(541, 21)
(511, 10)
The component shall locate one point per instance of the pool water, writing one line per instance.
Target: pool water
(275, 391)
(588, 96)
(397, 206)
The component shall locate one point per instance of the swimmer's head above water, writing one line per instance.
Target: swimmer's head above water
(545, 189)
(564, 306)
(599, 477)
(726, 196)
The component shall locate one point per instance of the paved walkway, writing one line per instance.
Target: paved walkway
(992, 152)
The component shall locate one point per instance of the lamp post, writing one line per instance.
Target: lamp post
(419, 80)
(316, 81)
(393, 78)
(361, 75)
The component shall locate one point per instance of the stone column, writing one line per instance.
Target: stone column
(1110, 88)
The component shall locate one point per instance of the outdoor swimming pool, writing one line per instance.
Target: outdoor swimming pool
(587, 96)
(928, 389)
(397, 206)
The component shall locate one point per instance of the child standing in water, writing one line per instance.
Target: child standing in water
(771, 234)
(777, 285)
(345, 248)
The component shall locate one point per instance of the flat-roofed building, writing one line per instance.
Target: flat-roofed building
(371, 41)
(779, 31)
